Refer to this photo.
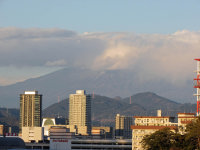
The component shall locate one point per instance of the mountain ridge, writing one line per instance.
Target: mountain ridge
(110, 83)
(104, 108)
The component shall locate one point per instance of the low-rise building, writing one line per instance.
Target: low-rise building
(140, 131)
(48, 122)
(154, 121)
(145, 125)
(158, 120)
(184, 119)
(107, 131)
(61, 132)
(32, 134)
(76, 144)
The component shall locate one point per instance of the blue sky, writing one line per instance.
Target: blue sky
(141, 16)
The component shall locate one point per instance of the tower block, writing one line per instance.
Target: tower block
(197, 85)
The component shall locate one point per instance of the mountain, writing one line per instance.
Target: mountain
(101, 105)
(104, 108)
(111, 83)
(148, 101)
(9, 116)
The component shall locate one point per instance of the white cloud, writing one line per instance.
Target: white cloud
(152, 56)
(117, 56)
(167, 57)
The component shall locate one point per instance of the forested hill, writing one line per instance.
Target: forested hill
(104, 108)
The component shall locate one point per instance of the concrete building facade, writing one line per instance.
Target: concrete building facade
(30, 134)
(145, 125)
(108, 131)
(184, 119)
(30, 109)
(123, 126)
(80, 112)
(77, 144)
(140, 131)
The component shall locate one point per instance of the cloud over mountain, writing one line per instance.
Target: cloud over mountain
(169, 57)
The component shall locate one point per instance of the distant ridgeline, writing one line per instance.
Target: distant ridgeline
(104, 109)
(10, 117)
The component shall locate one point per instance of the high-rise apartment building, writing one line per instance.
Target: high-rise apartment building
(30, 109)
(123, 126)
(80, 111)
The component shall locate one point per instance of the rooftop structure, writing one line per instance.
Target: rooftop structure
(155, 120)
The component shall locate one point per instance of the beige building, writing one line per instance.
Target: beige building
(154, 121)
(158, 120)
(30, 109)
(80, 112)
(1, 129)
(60, 132)
(140, 131)
(184, 119)
(145, 125)
(108, 131)
(30, 134)
(123, 126)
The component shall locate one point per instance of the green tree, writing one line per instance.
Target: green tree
(163, 139)
(192, 136)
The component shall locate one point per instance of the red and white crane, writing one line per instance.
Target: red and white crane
(197, 86)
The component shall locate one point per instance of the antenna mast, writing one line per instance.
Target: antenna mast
(93, 95)
(58, 99)
(197, 86)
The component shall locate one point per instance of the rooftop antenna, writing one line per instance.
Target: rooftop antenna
(58, 99)
(197, 85)
(93, 95)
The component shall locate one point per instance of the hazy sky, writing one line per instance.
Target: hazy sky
(140, 16)
(159, 38)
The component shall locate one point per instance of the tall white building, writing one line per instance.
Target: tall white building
(80, 111)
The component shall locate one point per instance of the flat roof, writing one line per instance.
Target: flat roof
(152, 117)
(187, 113)
(152, 127)
(188, 117)
(186, 122)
